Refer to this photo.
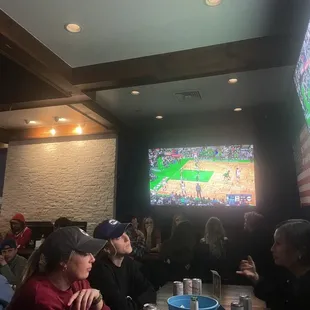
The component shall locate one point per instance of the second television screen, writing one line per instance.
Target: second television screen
(202, 176)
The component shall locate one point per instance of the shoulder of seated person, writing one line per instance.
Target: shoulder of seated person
(38, 286)
(21, 258)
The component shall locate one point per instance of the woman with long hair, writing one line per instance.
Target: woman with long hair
(152, 235)
(215, 238)
(289, 287)
(56, 273)
(115, 274)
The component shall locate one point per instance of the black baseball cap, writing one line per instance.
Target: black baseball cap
(60, 243)
(8, 243)
(110, 229)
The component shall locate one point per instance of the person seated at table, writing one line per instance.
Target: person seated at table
(211, 253)
(257, 241)
(288, 287)
(56, 274)
(178, 250)
(11, 264)
(115, 274)
(19, 231)
(62, 222)
(152, 235)
(215, 238)
(6, 292)
(137, 239)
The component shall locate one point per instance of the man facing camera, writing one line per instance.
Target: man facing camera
(11, 264)
(19, 231)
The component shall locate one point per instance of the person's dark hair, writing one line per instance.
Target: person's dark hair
(62, 222)
(254, 220)
(297, 233)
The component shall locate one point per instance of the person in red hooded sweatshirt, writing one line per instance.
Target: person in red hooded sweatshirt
(19, 231)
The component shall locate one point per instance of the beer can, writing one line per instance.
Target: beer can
(149, 307)
(194, 303)
(177, 288)
(246, 301)
(236, 305)
(196, 286)
(187, 286)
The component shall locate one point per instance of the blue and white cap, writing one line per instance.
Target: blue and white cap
(110, 229)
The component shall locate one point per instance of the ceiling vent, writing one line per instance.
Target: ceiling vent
(188, 96)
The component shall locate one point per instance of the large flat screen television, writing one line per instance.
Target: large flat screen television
(202, 176)
(302, 77)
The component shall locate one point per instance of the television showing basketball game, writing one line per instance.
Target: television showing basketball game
(202, 176)
(302, 77)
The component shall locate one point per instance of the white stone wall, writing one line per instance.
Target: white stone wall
(46, 179)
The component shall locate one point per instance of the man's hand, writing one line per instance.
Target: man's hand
(248, 269)
(2, 261)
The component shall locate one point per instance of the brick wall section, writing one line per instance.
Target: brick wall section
(48, 179)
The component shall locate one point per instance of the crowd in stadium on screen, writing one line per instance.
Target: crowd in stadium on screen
(169, 156)
(175, 199)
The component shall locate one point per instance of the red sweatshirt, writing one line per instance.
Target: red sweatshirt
(40, 294)
(22, 238)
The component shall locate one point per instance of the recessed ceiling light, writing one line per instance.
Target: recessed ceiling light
(237, 109)
(28, 122)
(73, 28)
(78, 130)
(135, 92)
(159, 117)
(233, 81)
(53, 132)
(213, 2)
(59, 119)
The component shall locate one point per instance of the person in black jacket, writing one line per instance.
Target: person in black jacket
(178, 250)
(257, 242)
(115, 274)
(289, 287)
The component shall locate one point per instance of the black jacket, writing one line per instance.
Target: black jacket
(283, 291)
(122, 288)
(180, 247)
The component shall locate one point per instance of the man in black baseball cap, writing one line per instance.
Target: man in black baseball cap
(11, 264)
(116, 275)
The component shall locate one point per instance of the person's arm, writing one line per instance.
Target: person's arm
(6, 271)
(158, 241)
(143, 290)
(102, 278)
(6, 292)
(148, 240)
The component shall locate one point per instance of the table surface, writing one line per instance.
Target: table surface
(229, 293)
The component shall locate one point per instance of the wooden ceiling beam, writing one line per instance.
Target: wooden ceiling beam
(20, 46)
(96, 108)
(44, 103)
(246, 55)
